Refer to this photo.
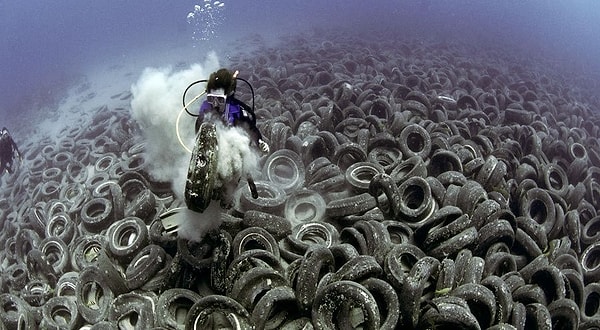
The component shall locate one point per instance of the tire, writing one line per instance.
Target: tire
(57, 253)
(94, 296)
(336, 297)
(285, 169)
(304, 206)
(96, 214)
(170, 306)
(84, 251)
(15, 313)
(199, 315)
(360, 174)
(277, 226)
(144, 266)
(202, 169)
(37, 292)
(271, 198)
(126, 238)
(60, 313)
(133, 310)
(67, 285)
(254, 238)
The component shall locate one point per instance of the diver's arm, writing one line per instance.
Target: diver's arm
(250, 119)
(248, 109)
(254, 131)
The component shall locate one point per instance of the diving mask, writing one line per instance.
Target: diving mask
(217, 100)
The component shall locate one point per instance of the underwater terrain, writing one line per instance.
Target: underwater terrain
(414, 181)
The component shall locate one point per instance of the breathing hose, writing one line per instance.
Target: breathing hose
(179, 117)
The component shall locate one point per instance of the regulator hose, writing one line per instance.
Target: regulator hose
(179, 117)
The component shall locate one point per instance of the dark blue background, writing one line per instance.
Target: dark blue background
(47, 45)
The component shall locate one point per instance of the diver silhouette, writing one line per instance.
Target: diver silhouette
(8, 147)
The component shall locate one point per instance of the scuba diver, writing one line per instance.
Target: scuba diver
(8, 147)
(203, 183)
(222, 106)
(221, 101)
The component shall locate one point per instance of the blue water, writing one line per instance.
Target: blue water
(45, 46)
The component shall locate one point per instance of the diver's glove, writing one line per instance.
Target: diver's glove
(263, 146)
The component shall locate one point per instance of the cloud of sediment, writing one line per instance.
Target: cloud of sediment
(236, 157)
(156, 104)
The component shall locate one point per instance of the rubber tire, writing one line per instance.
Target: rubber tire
(202, 171)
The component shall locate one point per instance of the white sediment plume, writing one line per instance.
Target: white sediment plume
(155, 105)
(236, 157)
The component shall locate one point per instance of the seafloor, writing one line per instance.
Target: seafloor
(411, 184)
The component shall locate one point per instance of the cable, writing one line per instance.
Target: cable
(251, 90)
(183, 99)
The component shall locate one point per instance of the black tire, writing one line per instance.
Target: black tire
(275, 307)
(15, 313)
(126, 238)
(60, 313)
(279, 227)
(285, 169)
(26, 240)
(67, 285)
(37, 293)
(85, 251)
(144, 266)
(589, 263)
(142, 206)
(16, 276)
(38, 267)
(360, 174)
(254, 238)
(334, 298)
(94, 296)
(96, 214)
(255, 283)
(271, 198)
(356, 204)
(159, 236)
(202, 169)
(57, 254)
(133, 310)
(170, 306)
(201, 312)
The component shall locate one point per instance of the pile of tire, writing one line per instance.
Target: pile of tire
(409, 185)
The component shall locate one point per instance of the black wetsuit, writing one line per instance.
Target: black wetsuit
(7, 150)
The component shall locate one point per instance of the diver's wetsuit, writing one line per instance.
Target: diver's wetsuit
(7, 149)
(237, 113)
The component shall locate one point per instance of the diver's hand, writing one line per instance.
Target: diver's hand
(263, 146)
